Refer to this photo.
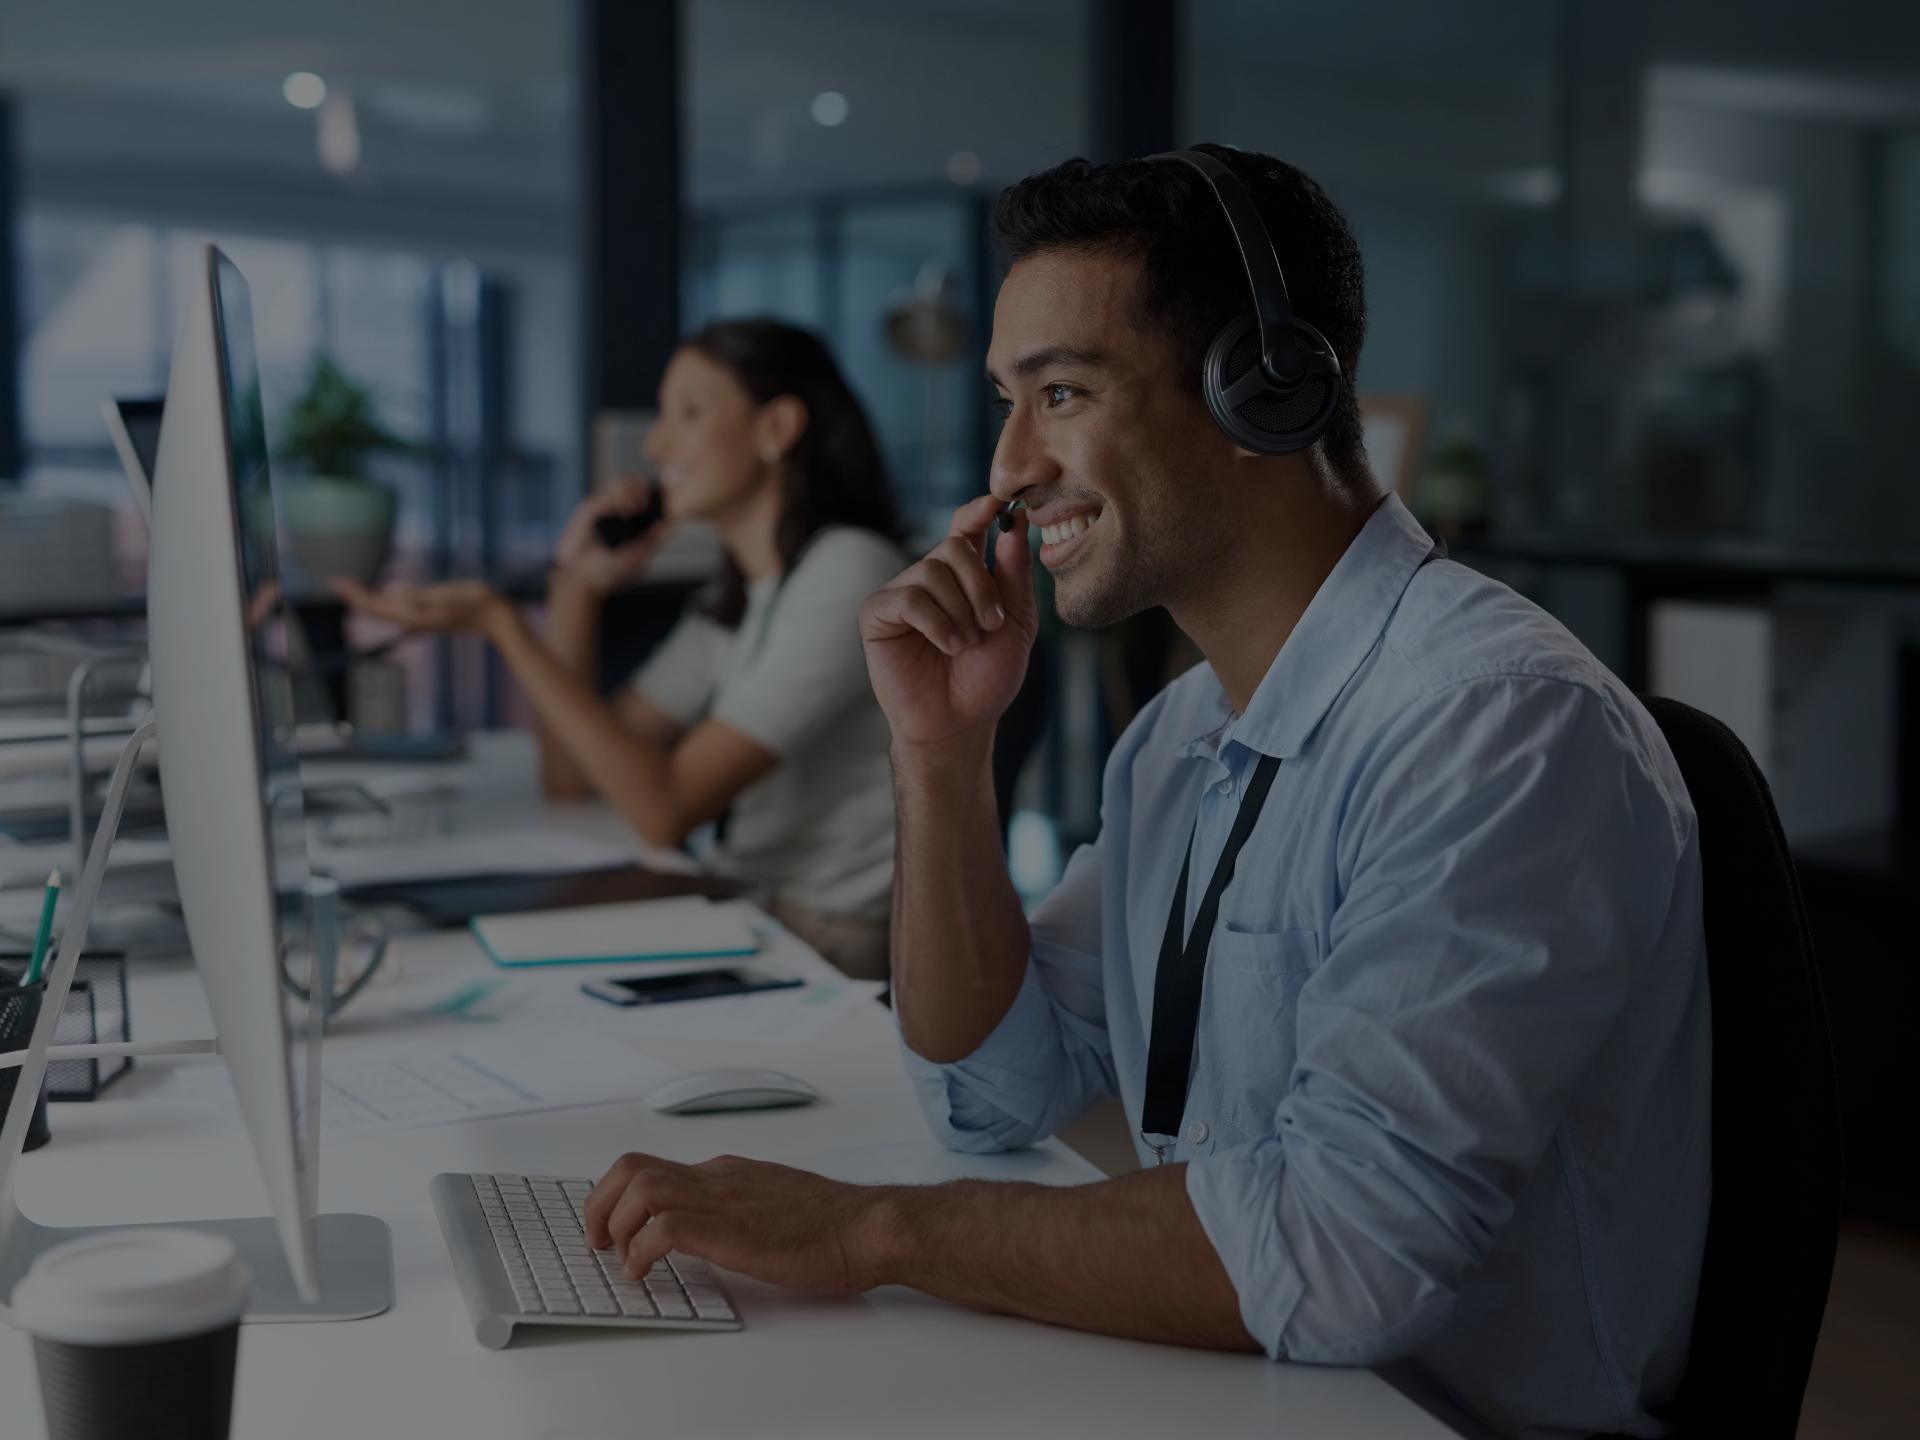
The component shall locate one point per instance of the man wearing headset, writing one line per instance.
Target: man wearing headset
(1391, 942)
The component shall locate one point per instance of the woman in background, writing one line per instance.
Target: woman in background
(756, 707)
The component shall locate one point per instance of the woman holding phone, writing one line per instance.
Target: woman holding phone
(756, 708)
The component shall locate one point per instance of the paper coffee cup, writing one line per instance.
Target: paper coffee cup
(135, 1333)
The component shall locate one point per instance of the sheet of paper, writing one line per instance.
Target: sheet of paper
(518, 849)
(373, 1084)
(683, 927)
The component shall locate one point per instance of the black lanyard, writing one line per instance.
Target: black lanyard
(1183, 971)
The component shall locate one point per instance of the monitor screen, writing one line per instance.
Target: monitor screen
(269, 628)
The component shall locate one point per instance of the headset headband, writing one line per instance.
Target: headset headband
(1272, 309)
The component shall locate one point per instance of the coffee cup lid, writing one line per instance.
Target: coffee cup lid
(127, 1287)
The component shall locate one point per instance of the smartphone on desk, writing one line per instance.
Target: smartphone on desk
(688, 985)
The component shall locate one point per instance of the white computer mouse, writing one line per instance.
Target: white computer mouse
(707, 1090)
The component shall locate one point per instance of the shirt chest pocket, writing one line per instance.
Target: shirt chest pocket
(1277, 952)
(1248, 1038)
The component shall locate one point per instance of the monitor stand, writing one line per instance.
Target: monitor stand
(353, 1261)
(353, 1254)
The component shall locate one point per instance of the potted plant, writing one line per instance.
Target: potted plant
(338, 518)
(1453, 493)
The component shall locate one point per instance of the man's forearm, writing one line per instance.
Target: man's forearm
(1127, 1257)
(573, 638)
(959, 934)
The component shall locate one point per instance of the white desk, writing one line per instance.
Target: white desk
(892, 1362)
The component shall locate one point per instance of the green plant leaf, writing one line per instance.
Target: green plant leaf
(334, 427)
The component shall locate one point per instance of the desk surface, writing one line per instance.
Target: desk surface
(887, 1363)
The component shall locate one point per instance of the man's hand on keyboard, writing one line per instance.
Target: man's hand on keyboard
(784, 1226)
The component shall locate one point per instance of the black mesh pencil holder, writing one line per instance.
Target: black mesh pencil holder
(95, 1011)
(19, 1008)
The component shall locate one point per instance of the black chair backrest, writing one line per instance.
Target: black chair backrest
(1774, 1218)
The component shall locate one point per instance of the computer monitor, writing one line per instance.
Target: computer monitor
(135, 428)
(223, 704)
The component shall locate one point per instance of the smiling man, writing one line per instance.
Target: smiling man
(1391, 941)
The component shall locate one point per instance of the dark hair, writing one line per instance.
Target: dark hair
(1193, 280)
(835, 475)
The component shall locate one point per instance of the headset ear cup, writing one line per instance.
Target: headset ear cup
(1254, 412)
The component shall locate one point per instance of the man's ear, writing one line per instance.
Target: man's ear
(778, 426)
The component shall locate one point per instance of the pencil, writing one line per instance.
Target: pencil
(46, 928)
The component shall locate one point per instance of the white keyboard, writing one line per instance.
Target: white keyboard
(520, 1250)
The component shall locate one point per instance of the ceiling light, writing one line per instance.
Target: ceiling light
(338, 136)
(304, 90)
(830, 108)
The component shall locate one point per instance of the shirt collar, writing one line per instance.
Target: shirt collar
(1342, 623)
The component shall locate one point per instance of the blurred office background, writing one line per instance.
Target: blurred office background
(1644, 287)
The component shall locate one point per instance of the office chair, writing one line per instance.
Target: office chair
(1774, 1218)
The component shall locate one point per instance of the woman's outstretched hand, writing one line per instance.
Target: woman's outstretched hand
(449, 606)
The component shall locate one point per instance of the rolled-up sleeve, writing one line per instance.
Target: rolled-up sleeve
(1049, 1057)
(1507, 860)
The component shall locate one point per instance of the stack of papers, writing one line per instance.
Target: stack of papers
(689, 927)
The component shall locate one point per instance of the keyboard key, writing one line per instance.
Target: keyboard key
(563, 1307)
(636, 1307)
(674, 1309)
(715, 1310)
(594, 1305)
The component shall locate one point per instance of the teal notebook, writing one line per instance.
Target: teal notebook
(687, 927)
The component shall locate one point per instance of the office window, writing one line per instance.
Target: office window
(1601, 242)
(842, 154)
(1432, 128)
(759, 263)
(91, 322)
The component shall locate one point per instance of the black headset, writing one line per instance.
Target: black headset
(1271, 380)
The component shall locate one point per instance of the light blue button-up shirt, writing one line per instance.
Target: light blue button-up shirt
(1450, 1091)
